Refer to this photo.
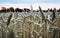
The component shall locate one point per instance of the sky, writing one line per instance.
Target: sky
(44, 4)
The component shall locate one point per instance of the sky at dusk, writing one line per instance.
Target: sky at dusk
(45, 4)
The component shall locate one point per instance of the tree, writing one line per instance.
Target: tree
(26, 9)
(11, 9)
(18, 10)
(3, 9)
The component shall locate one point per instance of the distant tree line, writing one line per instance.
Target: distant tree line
(11, 9)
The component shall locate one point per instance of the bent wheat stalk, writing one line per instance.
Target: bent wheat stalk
(9, 33)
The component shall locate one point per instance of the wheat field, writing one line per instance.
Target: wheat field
(28, 25)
